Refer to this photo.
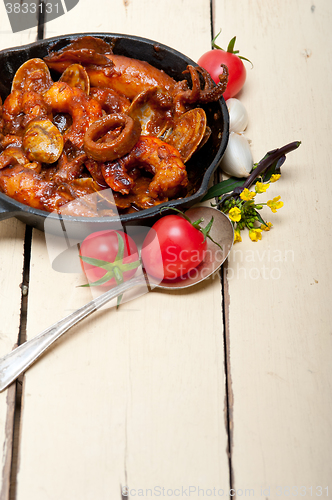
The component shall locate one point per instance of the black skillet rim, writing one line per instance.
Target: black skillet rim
(16, 208)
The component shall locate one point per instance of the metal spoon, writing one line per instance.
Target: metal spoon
(21, 358)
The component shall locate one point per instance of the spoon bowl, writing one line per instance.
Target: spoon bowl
(222, 233)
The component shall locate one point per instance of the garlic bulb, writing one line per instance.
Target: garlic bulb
(238, 116)
(237, 160)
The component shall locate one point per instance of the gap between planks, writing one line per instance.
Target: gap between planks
(23, 320)
(228, 407)
(225, 298)
(19, 381)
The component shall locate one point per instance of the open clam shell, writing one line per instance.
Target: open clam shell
(150, 109)
(32, 75)
(187, 132)
(42, 141)
(76, 76)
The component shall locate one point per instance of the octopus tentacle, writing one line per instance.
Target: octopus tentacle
(160, 159)
(212, 92)
(192, 95)
(183, 95)
(69, 168)
(116, 175)
(94, 168)
(110, 101)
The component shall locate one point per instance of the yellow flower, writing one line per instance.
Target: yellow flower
(237, 236)
(275, 204)
(266, 227)
(235, 214)
(274, 177)
(255, 234)
(260, 187)
(247, 195)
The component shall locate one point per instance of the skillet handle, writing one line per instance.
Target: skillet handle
(6, 211)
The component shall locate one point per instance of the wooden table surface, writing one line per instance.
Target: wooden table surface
(221, 391)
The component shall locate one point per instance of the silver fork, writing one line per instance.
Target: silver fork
(18, 360)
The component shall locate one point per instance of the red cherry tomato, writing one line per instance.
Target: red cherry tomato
(212, 60)
(104, 245)
(181, 246)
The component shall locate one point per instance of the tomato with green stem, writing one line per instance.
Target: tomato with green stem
(108, 258)
(213, 59)
(174, 246)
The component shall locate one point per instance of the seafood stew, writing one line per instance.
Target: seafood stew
(85, 116)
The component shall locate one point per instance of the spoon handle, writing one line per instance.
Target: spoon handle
(18, 360)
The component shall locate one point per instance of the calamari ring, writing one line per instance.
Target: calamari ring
(119, 145)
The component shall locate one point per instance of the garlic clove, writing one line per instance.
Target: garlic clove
(238, 115)
(237, 160)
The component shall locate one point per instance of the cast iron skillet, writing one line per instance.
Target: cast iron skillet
(200, 168)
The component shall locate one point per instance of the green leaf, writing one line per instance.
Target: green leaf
(261, 220)
(205, 230)
(214, 45)
(109, 266)
(245, 59)
(103, 264)
(101, 280)
(119, 279)
(223, 187)
(231, 44)
(119, 255)
(130, 265)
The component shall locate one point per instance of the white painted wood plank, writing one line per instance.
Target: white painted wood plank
(173, 23)
(10, 39)
(136, 396)
(11, 266)
(279, 288)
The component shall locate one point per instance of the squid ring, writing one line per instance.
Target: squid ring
(114, 144)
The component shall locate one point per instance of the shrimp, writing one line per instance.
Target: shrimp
(62, 98)
(20, 108)
(26, 185)
(156, 157)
